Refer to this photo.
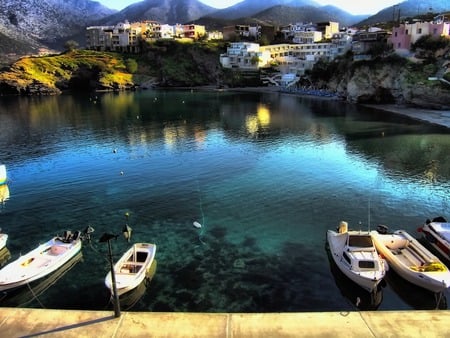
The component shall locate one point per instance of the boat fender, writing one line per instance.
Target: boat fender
(343, 227)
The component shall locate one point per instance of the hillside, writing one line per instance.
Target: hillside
(389, 79)
(168, 64)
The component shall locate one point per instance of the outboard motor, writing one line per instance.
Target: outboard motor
(87, 233)
(67, 236)
(76, 236)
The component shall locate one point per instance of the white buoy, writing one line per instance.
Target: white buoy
(197, 225)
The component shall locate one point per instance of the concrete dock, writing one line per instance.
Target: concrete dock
(21, 322)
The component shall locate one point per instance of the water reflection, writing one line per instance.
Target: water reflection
(5, 256)
(418, 298)
(4, 194)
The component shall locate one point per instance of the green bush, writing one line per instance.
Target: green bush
(131, 65)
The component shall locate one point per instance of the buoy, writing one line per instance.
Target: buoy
(197, 225)
(121, 173)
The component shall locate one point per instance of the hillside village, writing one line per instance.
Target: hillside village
(253, 47)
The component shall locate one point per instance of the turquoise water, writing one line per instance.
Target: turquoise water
(265, 174)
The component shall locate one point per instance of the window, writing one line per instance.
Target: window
(362, 241)
(419, 31)
(346, 258)
(366, 264)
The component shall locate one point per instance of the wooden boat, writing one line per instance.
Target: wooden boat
(2, 174)
(437, 233)
(356, 256)
(131, 269)
(40, 262)
(411, 260)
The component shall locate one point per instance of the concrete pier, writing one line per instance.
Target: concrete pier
(20, 322)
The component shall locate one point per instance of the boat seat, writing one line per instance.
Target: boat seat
(413, 258)
(131, 267)
(57, 250)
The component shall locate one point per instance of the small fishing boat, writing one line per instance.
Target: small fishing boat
(356, 256)
(40, 262)
(131, 269)
(411, 260)
(437, 233)
(2, 174)
(19, 297)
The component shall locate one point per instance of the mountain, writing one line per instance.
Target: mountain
(409, 8)
(282, 15)
(30, 26)
(45, 23)
(165, 11)
(249, 8)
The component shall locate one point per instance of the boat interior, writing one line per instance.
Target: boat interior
(131, 267)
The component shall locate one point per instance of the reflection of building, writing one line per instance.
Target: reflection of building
(2, 173)
(4, 193)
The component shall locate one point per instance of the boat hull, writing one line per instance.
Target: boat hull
(437, 234)
(131, 269)
(412, 261)
(368, 280)
(38, 263)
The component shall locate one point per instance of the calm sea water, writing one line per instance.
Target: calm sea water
(265, 174)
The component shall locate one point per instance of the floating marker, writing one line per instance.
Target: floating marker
(197, 225)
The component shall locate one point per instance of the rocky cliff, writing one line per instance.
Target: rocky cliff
(391, 80)
(391, 83)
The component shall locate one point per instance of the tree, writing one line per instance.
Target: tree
(71, 45)
(132, 65)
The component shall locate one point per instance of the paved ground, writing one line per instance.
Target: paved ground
(18, 322)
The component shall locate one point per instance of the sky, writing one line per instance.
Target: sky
(351, 6)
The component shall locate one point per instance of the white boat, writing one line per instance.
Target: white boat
(2, 174)
(437, 233)
(131, 269)
(411, 260)
(40, 262)
(3, 239)
(356, 256)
